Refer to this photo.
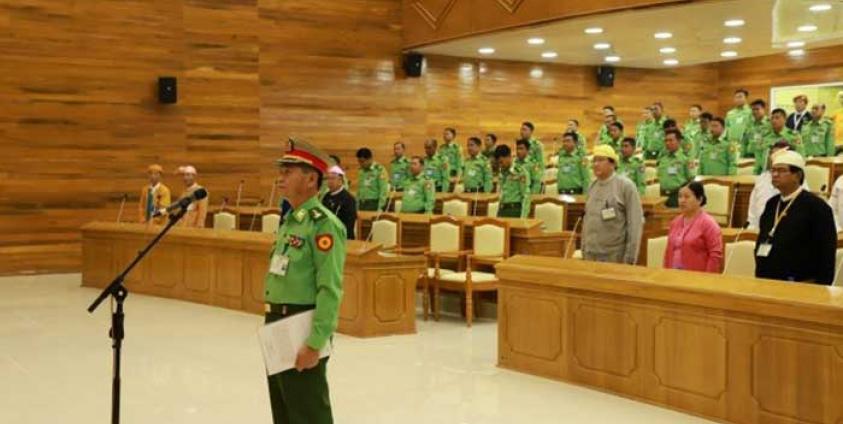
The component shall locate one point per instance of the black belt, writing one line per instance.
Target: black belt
(288, 309)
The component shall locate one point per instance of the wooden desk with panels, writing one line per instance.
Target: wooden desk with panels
(227, 269)
(735, 349)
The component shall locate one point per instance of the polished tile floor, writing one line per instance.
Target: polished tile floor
(187, 363)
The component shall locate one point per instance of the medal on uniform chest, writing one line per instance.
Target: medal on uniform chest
(295, 241)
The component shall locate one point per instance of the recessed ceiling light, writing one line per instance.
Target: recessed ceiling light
(670, 62)
(797, 52)
(549, 55)
(732, 40)
(594, 30)
(822, 7)
(667, 50)
(734, 23)
(612, 59)
(729, 53)
(602, 46)
(807, 28)
(662, 35)
(795, 44)
(535, 41)
(485, 50)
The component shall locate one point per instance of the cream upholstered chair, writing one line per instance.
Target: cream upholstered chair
(549, 174)
(739, 258)
(651, 173)
(818, 179)
(655, 251)
(492, 209)
(745, 166)
(447, 238)
(720, 198)
(270, 221)
(551, 212)
(226, 219)
(459, 188)
(551, 189)
(455, 207)
(386, 230)
(491, 245)
(653, 191)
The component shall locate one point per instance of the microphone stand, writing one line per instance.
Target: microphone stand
(117, 290)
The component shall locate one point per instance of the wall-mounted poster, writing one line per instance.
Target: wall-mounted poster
(830, 94)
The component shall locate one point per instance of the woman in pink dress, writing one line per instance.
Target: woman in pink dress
(694, 242)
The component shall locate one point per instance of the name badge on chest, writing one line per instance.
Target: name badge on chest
(279, 265)
(608, 214)
(764, 250)
(672, 170)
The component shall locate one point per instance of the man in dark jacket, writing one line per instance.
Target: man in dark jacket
(339, 201)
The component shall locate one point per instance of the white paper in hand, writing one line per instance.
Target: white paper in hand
(281, 340)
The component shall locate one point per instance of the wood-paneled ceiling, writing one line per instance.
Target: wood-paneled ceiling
(697, 28)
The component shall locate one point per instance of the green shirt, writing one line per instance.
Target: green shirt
(452, 153)
(572, 172)
(399, 172)
(818, 137)
(536, 151)
(437, 169)
(737, 120)
(674, 170)
(641, 133)
(792, 137)
(691, 133)
(534, 171)
(419, 196)
(718, 157)
(477, 174)
(633, 168)
(654, 135)
(515, 187)
(603, 136)
(313, 240)
(615, 144)
(372, 185)
(753, 137)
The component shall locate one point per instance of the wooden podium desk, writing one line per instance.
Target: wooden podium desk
(227, 269)
(735, 349)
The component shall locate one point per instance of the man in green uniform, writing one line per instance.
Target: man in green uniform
(536, 146)
(399, 171)
(609, 117)
(643, 127)
(737, 119)
(674, 168)
(778, 131)
(477, 171)
(436, 167)
(818, 133)
(419, 197)
(451, 151)
(631, 166)
(514, 186)
(371, 182)
(718, 156)
(615, 136)
(654, 135)
(691, 131)
(522, 149)
(756, 131)
(305, 273)
(574, 127)
(490, 142)
(572, 176)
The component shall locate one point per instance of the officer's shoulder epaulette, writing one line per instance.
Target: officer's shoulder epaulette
(317, 214)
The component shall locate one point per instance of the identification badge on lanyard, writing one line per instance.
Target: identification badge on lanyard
(279, 265)
(815, 139)
(764, 250)
(566, 169)
(672, 170)
(608, 214)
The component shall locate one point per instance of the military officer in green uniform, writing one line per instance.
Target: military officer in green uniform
(818, 133)
(436, 167)
(371, 182)
(718, 156)
(522, 149)
(574, 127)
(536, 146)
(399, 171)
(419, 197)
(490, 142)
(654, 141)
(738, 118)
(778, 131)
(451, 151)
(305, 273)
(642, 129)
(514, 186)
(756, 131)
(674, 168)
(692, 130)
(631, 166)
(477, 170)
(609, 117)
(615, 136)
(572, 176)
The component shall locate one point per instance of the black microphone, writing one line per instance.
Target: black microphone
(183, 203)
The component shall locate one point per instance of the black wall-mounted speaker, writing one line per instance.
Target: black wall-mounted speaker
(606, 76)
(167, 90)
(413, 63)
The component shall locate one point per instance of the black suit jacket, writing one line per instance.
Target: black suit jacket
(791, 121)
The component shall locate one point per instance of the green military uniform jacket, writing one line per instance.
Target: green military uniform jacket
(633, 168)
(437, 169)
(452, 153)
(534, 171)
(674, 170)
(691, 134)
(419, 195)
(603, 136)
(818, 137)
(515, 187)
(313, 241)
(718, 157)
(399, 172)
(653, 139)
(372, 185)
(536, 151)
(615, 144)
(572, 172)
(477, 174)
(753, 137)
(772, 137)
(737, 120)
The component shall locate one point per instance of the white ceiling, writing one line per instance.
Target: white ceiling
(698, 32)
